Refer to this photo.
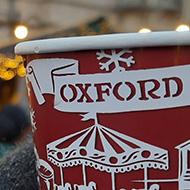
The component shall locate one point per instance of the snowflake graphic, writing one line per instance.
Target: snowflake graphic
(115, 58)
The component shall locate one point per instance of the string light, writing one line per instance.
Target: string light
(11, 67)
(144, 30)
(182, 28)
(21, 32)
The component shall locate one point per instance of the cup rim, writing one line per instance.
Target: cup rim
(109, 41)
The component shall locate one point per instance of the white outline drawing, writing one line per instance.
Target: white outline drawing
(88, 155)
(109, 160)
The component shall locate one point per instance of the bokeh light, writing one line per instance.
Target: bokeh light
(21, 32)
(11, 67)
(144, 30)
(182, 28)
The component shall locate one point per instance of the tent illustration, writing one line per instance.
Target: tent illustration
(107, 150)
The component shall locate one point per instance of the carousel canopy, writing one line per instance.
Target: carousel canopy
(107, 150)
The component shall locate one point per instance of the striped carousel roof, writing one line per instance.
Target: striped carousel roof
(107, 150)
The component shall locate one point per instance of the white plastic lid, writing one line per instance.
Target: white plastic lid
(110, 41)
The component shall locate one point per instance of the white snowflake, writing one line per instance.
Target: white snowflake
(115, 58)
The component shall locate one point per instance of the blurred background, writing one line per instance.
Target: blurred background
(22, 20)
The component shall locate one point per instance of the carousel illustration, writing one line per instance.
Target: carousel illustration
(135, 155)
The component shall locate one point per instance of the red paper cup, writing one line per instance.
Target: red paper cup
(111, 112)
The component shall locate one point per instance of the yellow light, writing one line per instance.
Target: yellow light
(2, 70)
(21, 32)
(7, 75)
(144, 30)
(11, 63)
(182, 28)
(19, 58)
(21, 71)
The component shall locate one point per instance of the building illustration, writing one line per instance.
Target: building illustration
(184, 165)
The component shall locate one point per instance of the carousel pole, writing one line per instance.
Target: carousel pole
(84, 174)
(62, 180)
(146, 178)
(113, 180)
